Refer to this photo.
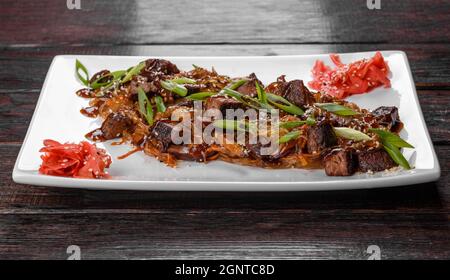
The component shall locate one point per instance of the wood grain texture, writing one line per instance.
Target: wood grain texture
(24, 68)
(215, 21)
(406, 222)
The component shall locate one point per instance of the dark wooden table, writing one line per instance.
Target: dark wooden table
(405, 222)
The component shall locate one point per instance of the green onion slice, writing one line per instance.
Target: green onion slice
(247, 100)
(349, 133)
(284, 105)
(294, 124)
(236, 84)
(80, 67)
(110, 77)
(145, 108)
(174, 87)
(289, 136)
(201, 95)
(337, 109)
(132, 72)
(262, 96)
(160, 106)
(396, 155)
(184, 80)
(391, 138)
(392, 144)
(231, 125)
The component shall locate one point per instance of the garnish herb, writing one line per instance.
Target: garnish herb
(294, 124)
(201, 95)
(160, 107)
(80, 67)
(261, 93)
(396, 155)
(174, 87)
(110, 78)
(289, 136)
(392, 138)
(349, 133)
(337, 109)
(231, 125)
(236, 84)
(132, 72)
(284, 105)
(184, 80)
(247, 100)
(392, 144)
(145, 108)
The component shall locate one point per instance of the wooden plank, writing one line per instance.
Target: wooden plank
(41, 223)
(25, 68)
(216, 21)
(17, 108)
(225, 235)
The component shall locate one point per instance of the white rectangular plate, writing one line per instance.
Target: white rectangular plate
(57, 117)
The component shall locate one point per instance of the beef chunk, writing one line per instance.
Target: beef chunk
(144, 85)
(222, 103)
(340, 163)
(375, 160)
(161, 65)
(388, 117)
(296, 93)
(115, 124)
(254, 150)
(185, 103)
(320, 136)
(194, 88)
(249, 88)
(162, 132)
(157, 68)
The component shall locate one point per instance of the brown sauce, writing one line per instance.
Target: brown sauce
(86, 93)
(90, 112)
(96, 135)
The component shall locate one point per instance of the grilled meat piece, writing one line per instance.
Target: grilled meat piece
(185, 103)
(142, 83)
(249, 88)
(320, 136)
(296, 93)
(222, 103)
(194, 88)
(115, 124)
(375, 160)
(254, 150)
(388, 116)
(161, 132)
(340, 163)
(159, 66)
